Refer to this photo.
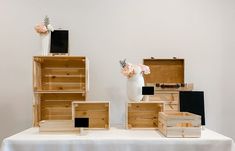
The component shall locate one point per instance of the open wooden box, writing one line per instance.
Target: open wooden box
(143, 114)
(60, 73)
(96, 111)
(165, 71)
(54, 106)
(179, 124)
(167, 78)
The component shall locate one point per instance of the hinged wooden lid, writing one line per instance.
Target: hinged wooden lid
(165, 70)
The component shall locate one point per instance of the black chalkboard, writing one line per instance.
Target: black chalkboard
(193, 102)
(81, 122)
(59, 41)
(148, 90)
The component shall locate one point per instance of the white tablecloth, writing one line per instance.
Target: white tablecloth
(114, 140)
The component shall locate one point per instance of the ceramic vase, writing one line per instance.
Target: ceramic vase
(134, 86)
(45, 43)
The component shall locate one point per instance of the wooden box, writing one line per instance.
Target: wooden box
(60, 73)
(57, 81)
(170, 99)
(57, 126)
(96, 111)
(143, 114)
(179, 124)
(54, 106)
(167, 78)
(165, 71)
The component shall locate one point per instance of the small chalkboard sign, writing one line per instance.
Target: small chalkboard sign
(147, 90)
(81, 122)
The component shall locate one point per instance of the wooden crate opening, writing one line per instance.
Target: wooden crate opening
(143, 114)
(55, 106)
(60, 73)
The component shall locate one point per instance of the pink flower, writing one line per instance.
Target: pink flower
(128, 70)
(41, 29)
(145, 69)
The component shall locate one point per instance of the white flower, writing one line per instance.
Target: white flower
(50, 28)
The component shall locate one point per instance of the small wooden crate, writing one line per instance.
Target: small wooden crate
(179, 124)
(143, 114)
(96, 111)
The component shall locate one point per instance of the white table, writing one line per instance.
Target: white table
(114, 140)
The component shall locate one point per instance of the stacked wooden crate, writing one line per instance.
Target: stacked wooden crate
(57, 82)
(167, 78)
(179, 124)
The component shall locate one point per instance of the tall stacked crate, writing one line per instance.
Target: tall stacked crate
(167, 77)
(57, 81)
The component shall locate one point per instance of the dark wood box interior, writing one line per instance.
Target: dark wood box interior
(165, 70)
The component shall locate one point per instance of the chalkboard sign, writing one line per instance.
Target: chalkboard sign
(81, 122)
(59, 41)
(193, 102)
(148, 90)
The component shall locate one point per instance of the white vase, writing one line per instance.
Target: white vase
(134, 86)
(45, 43)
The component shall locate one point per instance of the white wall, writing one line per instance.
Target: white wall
(201, 31)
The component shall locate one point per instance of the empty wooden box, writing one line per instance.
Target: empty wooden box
(60, 73)
(57, 81)
(167, 78)
(143, 114)
(96, 111)
(179, 124)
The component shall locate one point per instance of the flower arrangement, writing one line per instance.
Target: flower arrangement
(45, 27)
(129, 70)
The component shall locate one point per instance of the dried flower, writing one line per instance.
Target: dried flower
(130, 70)
(45, 27)
(50, 28)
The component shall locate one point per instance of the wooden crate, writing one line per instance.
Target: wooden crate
(167, 78)
(60, 73)
(54, 106)
(96, 111)
(57, 126)
(143, 114)
(170, 99)
(57, 81)
(165, 71)
(179, 124)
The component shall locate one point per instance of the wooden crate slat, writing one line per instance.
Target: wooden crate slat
(143, 106)
(68, 87)
(51, 79)
(60, 96)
